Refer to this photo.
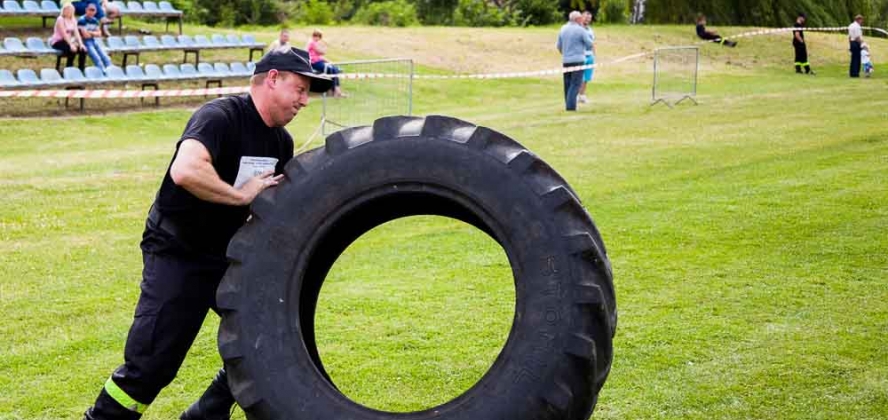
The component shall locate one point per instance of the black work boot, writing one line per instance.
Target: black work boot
(214, 404)
(106, 408)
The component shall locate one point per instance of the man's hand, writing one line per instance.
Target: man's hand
(257, 184)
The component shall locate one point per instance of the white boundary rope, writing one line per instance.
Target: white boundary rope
(117, 94)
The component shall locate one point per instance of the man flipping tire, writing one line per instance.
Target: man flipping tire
(229, 153)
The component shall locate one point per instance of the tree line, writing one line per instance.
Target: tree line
(769, 13)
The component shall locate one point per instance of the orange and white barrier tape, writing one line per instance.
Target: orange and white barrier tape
(117, 94)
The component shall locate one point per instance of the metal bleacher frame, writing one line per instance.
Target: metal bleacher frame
(149, 76)
(49, 9)
(133, 46)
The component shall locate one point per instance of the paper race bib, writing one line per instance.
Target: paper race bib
(251, 166)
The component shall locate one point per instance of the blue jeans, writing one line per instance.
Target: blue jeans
(98, 56)
(324, 67)
(572, 82)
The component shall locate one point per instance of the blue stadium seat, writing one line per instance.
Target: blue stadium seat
(132, 42)
(186, 69)
(222, 70)
(134, 72)
(186, 41)
(49, 6)
(122, 6)
(169, 41)
(115, 74)
(153, 72)
(31, 6)
(14, 45)
(171, 71)
(94, 74)
(150, 7)
(251, 66)
(7, 79)
(74, 76)
(219, 41)
(134, 7)
(233, 39)
(37, 45)
(151, 42)
(115, 43)
(12, 7)
(28, 77)
(51, 77)
(239, 69)
(101, 43)
(249, 39)
(206, 70)
(168, 7)
(202, 41)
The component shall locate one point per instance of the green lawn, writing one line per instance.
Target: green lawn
(747, 236)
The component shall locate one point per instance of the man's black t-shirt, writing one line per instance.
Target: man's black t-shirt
(800, 32)
(231, 129)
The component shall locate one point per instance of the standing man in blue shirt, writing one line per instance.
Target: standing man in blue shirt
(573, 41)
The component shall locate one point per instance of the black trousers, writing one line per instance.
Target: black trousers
(69, 55)
(801, 57)
(854, 71)
(177, 293)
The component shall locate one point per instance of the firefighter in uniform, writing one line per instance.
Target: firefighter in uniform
(798, 43)
(232, 149)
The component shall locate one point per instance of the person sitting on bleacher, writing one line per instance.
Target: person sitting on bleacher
(66, 38)
(105, 11)
(316, 49)
(282, 43)
(89, 31)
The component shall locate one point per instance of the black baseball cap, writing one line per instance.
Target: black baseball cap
(296, 61)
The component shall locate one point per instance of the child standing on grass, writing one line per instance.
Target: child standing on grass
(866, 61)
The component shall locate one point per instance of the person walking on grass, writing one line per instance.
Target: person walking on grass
(573, 41)
(590, 58)
(232, 149)
(855, 37)
(801, 49)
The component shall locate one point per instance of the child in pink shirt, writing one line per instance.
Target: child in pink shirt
(316, 49)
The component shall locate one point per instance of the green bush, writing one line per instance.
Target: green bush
(234, 12)
(435, 12)
(388, 13)
(313, 12)
(481, 13)
(537, 12)
(613, 11)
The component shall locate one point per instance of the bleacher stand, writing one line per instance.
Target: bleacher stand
(134, 46)
(48, 9)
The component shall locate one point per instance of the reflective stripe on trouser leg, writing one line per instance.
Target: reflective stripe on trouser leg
(122, 398)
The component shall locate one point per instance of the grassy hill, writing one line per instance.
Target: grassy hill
(746, 235)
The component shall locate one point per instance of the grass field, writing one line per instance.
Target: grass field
(747, 236)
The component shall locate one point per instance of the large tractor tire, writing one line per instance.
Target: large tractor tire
(558, 352)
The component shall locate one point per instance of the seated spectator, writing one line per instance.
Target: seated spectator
(66, 38)
(89, 31)
(282, 43)
(317, 48)
(709, 35)
(106, 11)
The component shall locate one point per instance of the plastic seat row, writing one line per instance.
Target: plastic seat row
(51, 8)
(73, 77)
(130, 43)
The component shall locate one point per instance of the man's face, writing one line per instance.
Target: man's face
(802, 20)
(289, 95)
(285, 37)
(90, 11)
(587, 18)
(859, 21)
